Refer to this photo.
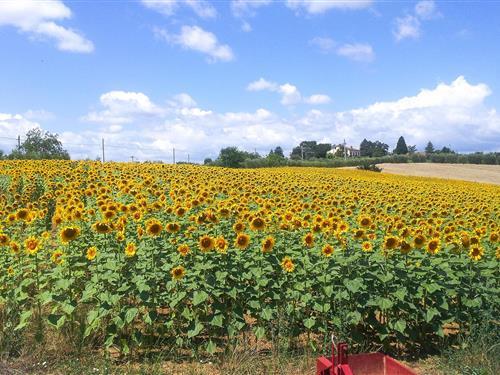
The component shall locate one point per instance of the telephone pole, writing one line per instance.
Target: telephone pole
(103, 160)
(173, 155)
(188, 158)
(345, 151)
(132, 158)
(18, 142)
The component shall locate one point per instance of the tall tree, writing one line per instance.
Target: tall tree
(429, 149)
(40, 145)
(412, 149)
(279, 151)
(401, 147)
(366, 148)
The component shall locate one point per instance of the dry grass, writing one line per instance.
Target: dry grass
(468, 172)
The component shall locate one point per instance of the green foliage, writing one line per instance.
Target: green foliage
(373, 149)
(40, 145)
(401, 148)
(369, 167)
(232, 157)
(429, 149)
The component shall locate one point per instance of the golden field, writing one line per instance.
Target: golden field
(141, 256)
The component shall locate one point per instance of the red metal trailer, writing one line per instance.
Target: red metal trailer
(359, 364)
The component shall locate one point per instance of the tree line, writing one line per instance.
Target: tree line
(38, 145)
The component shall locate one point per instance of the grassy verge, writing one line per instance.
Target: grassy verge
(475, 354)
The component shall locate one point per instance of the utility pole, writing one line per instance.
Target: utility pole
(345, 151)
(18, 142)
(188, 158)
(103, 160)
(302, 152)
(173, 155)
(132, 158)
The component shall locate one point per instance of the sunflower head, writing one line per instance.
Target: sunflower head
(130, 249)
(309, 240)
(268, 244)
(257, 224)
(153, 227)
(69, 234)
(367, 246)
(433, 246)
(57, 257)
(327, 250)
(287, 264)
(32, 245)
(206, 243)
(476, 253)
(242, 241)
(172, 227)
(221, 245)
(178, 272)
(91, 253)
(183, 250)
(390, 242)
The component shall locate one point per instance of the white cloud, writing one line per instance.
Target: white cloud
(358, 52)
(246, 27)
(247, 8)
(318, 99)
(262, 84)
(324, 44)
(407, 27)
(183, 100)
(426, 10)
(202, 8)
(12, 126)
(38, 115)
(290, 94)
(452, 113)
(36, 18)
(321, 6)
(196, 39)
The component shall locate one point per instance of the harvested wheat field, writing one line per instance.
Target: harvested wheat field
(469, 172)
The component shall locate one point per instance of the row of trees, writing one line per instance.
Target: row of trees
(314, 151)
(38, 145)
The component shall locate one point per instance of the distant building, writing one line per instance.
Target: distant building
(350, 151)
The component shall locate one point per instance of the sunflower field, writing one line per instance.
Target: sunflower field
(138, 256)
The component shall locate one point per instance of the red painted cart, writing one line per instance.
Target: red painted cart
(359, 364)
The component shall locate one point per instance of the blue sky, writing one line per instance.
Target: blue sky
(196, 75)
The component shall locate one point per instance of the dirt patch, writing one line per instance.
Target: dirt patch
(469, 172)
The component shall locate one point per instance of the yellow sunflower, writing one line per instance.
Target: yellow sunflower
(287, 264)
(308, 240)
(32, 245)
(257, 224)
(268, 244)
(221, 245)
(69, 234)
(178, 272)
(91, 253)
(130, 249)
(433, 246)
(183, 250)
(242, 241)
(57, 257)
(476, 253)
(327, 250)
(367, 246)
(153, 227)
(206, 243)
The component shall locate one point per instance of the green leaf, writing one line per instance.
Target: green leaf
(384, 303)
(217, 320)
(131, 314)
(196, 330)
(24, 319)
(199, 297)
(56, 320)
(430, 314)
(309, 323)
(259, 332)
(400, 326)
(267, 314)
(211, 347)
